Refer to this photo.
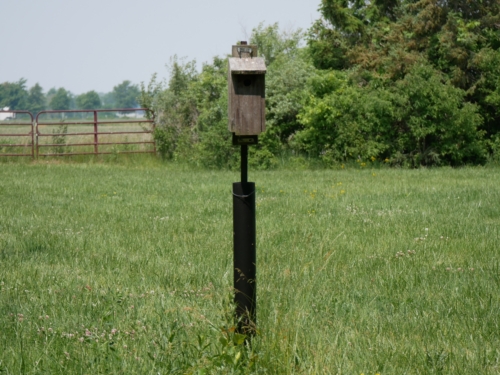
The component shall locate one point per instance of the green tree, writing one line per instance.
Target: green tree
(14, 95)
(273, 42)
(191, 108)
(88, 100)
(36, 99)
(50, 94)
(126, 95)
(435, 124)
(420, 120)
(380, 43)
(175, 108)
(61, 100)
(107, 100)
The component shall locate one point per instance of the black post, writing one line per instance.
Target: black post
(244, 163)
(244, 237)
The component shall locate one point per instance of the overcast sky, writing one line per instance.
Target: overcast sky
(97, 44)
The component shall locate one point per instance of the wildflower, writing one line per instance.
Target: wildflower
(386, 160)
(373, 158)
(342, 191)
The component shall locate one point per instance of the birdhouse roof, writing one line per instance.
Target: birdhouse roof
(247, 65)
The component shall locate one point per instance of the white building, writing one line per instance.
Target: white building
(6, 115)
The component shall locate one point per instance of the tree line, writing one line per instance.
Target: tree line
(16, 96)
(402, 82)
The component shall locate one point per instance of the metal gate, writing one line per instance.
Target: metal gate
(17, 136)
(78, 132)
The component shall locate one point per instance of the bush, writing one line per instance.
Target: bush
(419, 120)
(434, 123)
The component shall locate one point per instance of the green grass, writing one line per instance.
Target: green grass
(126, 269)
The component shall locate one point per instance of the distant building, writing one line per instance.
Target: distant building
(5, 115)
(131, 114)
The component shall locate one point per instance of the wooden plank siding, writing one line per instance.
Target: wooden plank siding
(246, 95)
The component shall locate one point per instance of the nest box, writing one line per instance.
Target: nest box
(246, 81)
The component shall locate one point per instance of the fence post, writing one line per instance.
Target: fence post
(153, 133)
(34, 139)
(96, 140)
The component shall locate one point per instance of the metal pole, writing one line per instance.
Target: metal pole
(96, 139)
(244, 233)
(244, 163)
(34, 137)
(37, 139)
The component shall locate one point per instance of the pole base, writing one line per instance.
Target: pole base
(244, 236)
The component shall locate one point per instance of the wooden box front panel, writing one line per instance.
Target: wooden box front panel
(247, 104)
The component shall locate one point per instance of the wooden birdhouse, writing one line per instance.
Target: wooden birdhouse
(246, 83)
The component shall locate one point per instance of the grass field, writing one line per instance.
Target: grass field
(127, 269)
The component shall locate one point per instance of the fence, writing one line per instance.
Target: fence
(81, 132)
(17, 133)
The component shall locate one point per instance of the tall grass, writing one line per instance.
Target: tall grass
(121, 269)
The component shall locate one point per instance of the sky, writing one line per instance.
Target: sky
(97, 44)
